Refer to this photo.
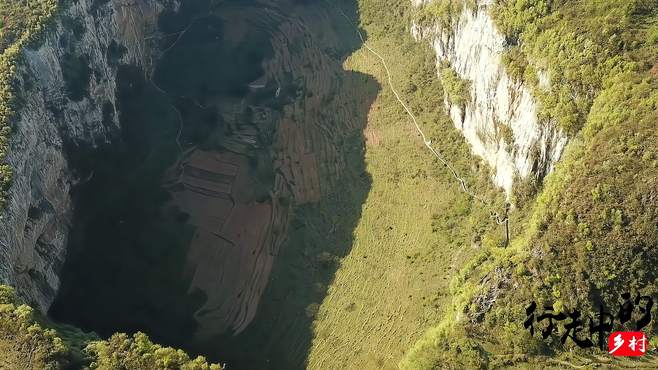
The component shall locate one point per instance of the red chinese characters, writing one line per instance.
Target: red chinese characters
(627, 343)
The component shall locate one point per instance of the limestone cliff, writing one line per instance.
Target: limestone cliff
(65, 89)
(473, 47)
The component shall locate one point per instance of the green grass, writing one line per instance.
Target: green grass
(417, 228)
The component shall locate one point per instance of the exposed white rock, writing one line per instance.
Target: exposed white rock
(35, 222)
(474, 48)
(544, 80)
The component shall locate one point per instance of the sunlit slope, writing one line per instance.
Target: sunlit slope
(416, 229)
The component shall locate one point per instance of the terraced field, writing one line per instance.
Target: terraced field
(367, 269)
(308, 224)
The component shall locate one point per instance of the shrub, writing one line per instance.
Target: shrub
(139, 353)
(24, 343)
(456, 89)
(29, 341)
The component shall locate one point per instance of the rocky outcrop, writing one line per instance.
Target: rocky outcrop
(498, 104)
(66, 94)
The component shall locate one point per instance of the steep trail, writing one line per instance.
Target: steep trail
(427, 142)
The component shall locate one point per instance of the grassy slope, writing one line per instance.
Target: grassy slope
(416, 228)
(592, 234)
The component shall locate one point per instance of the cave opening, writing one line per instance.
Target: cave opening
(194, 224)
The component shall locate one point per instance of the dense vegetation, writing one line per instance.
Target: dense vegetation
(23, 340)
(138, 352)
(28, 341)
(21, 22)
(443, 13)
(591, 234)
(456, 89)
(578, 45)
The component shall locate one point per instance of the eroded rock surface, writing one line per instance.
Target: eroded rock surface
(66, 94)
(279, 147)
(474, 47)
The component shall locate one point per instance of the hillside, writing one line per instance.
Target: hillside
(591, 232)
(580, 238)
(360, 184)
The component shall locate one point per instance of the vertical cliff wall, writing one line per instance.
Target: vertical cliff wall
(65, 89)
(473, 48)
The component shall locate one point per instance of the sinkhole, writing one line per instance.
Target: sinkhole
(205, 221)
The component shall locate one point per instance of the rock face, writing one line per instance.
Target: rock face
(66, 94)
(474, 47)
(66, 87)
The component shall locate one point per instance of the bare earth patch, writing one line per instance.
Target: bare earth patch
(231, 253)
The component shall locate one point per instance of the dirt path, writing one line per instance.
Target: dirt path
(427, 142)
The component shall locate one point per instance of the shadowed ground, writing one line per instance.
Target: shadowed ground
(217, 218)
